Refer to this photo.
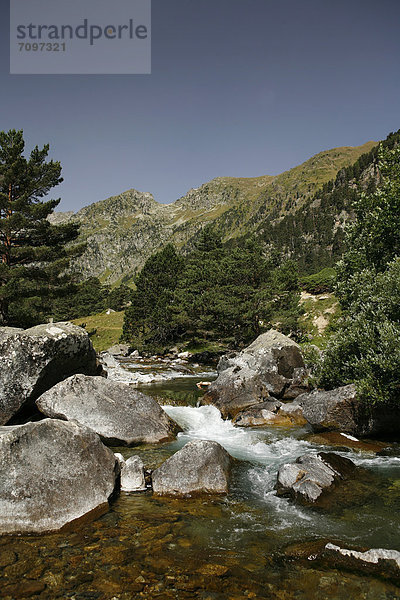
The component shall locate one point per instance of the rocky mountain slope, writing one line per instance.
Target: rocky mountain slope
(121, 232)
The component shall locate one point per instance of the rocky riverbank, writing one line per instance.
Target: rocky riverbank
(180, 460)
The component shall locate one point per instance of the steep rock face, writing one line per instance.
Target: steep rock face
(264, 368)
(200, 467)
(52, 473)
(117, 412)
(33, 360)
(123, 231)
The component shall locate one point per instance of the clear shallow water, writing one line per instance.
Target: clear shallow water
(226, 548)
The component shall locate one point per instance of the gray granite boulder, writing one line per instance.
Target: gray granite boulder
(119, 413)
(263, 369)
(33, 360)
(200, 467)
(51, 473)
(331, 410)
(341, 410)
(6, 332)
(313, 475)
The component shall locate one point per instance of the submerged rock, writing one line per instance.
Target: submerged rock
(264, 368)
(374, 555)
(320, 553)
(33, 360)
(346, 441)
(52, 473)
(200, 467)
(132, 475)
(378, 562)
(117, 412)
(312, 475)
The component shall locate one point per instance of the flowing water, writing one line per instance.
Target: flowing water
(224, 548)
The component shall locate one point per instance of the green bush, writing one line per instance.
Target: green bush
(318, 283)
(366, 346)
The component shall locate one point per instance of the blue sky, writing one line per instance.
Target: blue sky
(238, 88)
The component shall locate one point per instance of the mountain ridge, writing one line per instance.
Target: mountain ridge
(123, 230)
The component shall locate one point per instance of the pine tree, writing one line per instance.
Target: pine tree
(149, 318)
(33, 253)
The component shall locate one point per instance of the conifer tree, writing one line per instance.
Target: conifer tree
(33, 254)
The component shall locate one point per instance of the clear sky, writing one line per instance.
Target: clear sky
(238, 88)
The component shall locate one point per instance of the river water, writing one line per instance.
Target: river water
(225, 548)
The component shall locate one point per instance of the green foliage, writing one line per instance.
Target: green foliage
(318, 283)
(373, 239)
(88, 298)
(365, 349)
(34, 256)
(215, 294)
(148, 321)
(119, 297)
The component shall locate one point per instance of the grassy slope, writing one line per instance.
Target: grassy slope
(108, 329)
(320, 311)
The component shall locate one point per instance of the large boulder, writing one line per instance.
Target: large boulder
(341, 410)
(312, 475)
(200, 467)
(268, 367)
(52, 473)
(331, 410)
(120, 414)
(34, 360)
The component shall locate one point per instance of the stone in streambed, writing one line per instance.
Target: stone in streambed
(132, 475)
(379, 562)
(271, 413)
(120, 414)
(342, 410)
(200, 467)
(313, 475)
(344, 440)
